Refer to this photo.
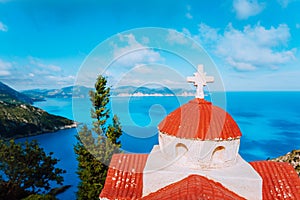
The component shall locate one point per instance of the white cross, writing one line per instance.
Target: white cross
(200, 80)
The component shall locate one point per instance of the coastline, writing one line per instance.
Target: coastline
(152, 95)
(71, 126)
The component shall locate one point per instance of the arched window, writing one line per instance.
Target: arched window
(181, 149)
(218, 155)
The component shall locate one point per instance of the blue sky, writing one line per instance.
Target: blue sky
(254, 44)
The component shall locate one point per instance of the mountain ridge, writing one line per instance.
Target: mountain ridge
(8, 94)
(83, 92)
(65, 92)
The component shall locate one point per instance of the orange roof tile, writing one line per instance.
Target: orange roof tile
(192, 188)
(199, 119)
(280, 180)
(125, 177)
(125, 181)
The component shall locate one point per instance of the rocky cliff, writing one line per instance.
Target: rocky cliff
(292, 157)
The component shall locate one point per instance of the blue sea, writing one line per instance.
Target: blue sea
(269, 121)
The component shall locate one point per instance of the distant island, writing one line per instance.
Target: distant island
(122, 91)
(18, 118)
(66, 92)
(145, 91)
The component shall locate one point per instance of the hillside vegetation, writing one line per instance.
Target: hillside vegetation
(10, 95)
(19, 119)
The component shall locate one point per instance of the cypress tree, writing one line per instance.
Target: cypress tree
(95, 147)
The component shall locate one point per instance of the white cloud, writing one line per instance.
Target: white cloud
(32, 73)
(251, 48)
(241, 66)
(145, 40)
(130, 52)
(247, 8)
(54, 68)
(188, 13)
(5, 68)
(143, 69)
(175, 37)
(48, 67)
(61, 80)
(153, 74)
(285, 3)
(3, 27)
(207, 33)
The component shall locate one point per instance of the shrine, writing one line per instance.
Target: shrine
(197, 158)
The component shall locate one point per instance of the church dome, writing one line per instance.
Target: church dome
(199, 119)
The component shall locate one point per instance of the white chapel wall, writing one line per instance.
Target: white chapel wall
(198, 153)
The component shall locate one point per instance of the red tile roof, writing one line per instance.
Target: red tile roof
(125, 177)
(280, 180)
(199, 119)
(192, 188)
(125, 181)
